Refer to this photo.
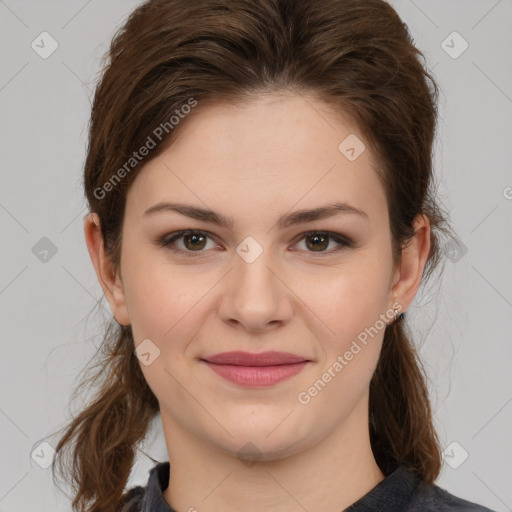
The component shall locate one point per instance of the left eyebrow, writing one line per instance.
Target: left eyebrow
(284, 221)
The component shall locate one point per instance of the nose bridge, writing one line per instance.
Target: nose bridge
(253, 268)
(254, 295)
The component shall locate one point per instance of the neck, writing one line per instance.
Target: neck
(331, 475)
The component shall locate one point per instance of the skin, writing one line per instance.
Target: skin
(276, 154)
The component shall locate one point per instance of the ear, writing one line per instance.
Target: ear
(111, 284)
(408, 275)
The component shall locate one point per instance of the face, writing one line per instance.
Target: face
(319, 288)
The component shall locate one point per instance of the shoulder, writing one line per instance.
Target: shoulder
(432, 498)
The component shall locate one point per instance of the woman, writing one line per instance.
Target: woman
(259, 177)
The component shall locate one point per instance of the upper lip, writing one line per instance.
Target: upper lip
(270, 358)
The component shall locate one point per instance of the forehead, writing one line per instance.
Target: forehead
(269, 153)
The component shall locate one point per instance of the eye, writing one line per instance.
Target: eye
(318, 241)
(194, 241)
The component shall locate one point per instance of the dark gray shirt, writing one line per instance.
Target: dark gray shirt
(400, 491)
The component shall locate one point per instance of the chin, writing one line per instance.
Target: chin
(250, 451)
(263, 443)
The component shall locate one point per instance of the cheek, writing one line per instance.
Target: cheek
(160, 299)
(166, 308)
(349, 336)
(348, 300)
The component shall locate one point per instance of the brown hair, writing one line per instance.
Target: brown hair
(355, 55)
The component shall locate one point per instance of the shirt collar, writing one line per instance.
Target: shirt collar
(153, 499)
(392, 494)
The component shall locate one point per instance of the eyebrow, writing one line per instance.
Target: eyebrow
(284, 221)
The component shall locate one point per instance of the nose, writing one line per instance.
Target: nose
(255, 294)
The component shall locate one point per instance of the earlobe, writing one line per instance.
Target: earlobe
(109, 280)
(414, 257)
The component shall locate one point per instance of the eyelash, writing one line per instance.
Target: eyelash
(167, 241)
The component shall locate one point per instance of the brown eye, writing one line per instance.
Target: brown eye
(318, 242)
(194, 241)
(187, 243)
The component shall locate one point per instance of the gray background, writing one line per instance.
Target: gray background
(49, 322)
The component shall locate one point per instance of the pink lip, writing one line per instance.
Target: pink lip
(256, 370)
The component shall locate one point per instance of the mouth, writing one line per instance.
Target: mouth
(270, 358)
(256, 370)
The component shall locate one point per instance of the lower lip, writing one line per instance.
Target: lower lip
(256, 376)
